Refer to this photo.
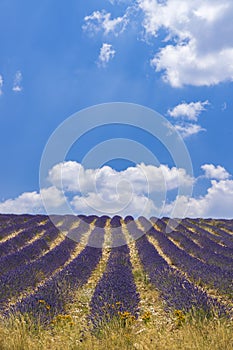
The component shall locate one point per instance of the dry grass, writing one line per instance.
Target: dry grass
(20, 333)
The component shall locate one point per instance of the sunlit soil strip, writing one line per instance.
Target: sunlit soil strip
(79, 248)
(40, 245)
(150, 304)
(30, 291)
(212, 293)
(225, 227)
(180, 247)
(177, 292)
(202, 226)
(61, 237)
(178, 243)
(11, 235)
(192, 230)
(52, 244)
(196, 241)
(32, 240)
(227, 230)
(194, 251)
(36, 237)
(16, 232)
(80, 308)
(166, 258)
(60, 223)
(223, 299)
(160, 251)
(211, 229)
(212, 261)
(42, 222)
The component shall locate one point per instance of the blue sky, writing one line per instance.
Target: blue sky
(172, 56)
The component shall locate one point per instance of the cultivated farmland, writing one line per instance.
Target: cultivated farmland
(96, 282)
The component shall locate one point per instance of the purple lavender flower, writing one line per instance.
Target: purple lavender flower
(116, 291)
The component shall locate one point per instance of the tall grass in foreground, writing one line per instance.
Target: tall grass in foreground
(178, 332)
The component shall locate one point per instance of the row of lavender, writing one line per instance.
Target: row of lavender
(24, 267)
(199, 271)
(51, 297)
(115, 293)
(116, 287)
(176, 290)
(201, 244)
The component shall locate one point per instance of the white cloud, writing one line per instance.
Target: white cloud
(128, 204)
(31, 202)
(217, 203)
(182, 65)
(106, 54)
(102, 190)
(181, 16)
(105, 180)
(187, 129)
(219, 199)
(28, 202)
(202, 49)
(109, 191)
(53, 196)
(215, 172)
(198, 44)
(189, 111)
(102, 21)
(125, 192)
(17, 85)
(1, 84)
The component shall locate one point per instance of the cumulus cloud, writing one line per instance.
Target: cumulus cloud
(188, 129)
(202, 49)
(102, 21)
(105, 190)
(215, 172)
(189, 111)
(135, 205)
(1, 84)
(180, 17)
(31, 202)
(54, 197)
(106, 54)
(198, 44)
(17, 84)
(181, 65)
(217, 203)
(28, 202)
(75, 178)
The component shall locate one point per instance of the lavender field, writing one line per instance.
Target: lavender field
(97, 270)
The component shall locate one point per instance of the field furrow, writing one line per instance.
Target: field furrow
(52, 295)
(94, 270)
(115, 294)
